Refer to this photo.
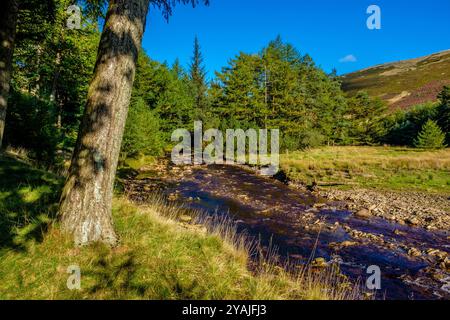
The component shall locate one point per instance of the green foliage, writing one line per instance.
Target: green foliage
(280, 88)
(403, 126)
(27, 198)
(365, 115)
(431, 137)
(197, 77)
(52, 70)
(443, 112)
(166, 91)
(31, 125)
(142, 132)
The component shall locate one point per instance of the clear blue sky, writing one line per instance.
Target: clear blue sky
(328, 30)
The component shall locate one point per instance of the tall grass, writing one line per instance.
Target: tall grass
(377, 167)
(165, 252)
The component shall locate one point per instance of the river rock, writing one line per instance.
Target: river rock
(319, 263)
(346, 244)
(437, 253)
(446, 264)
(185, 218)
(413, 252)
(363, 213)
(412, 221)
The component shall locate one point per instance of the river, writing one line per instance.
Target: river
(300, 227)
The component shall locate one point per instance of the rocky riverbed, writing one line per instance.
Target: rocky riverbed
(351, 229)
(430, 211)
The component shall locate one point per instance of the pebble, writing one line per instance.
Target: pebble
(319, 263)
(414, 252)
(363, 213)
(185, 218)
(412, 221)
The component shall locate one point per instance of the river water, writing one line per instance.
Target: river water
(299, 228)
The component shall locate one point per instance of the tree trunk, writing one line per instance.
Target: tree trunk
(85, 208)
(8, 22)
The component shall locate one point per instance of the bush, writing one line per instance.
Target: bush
(431, 137)
(404, 125)
(31, 124)
(142, 132)
(443, 117)
(307, 138)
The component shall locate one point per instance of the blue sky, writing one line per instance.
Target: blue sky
(329, 30)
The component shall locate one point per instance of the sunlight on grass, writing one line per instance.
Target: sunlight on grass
(159, 256)
(380, 167)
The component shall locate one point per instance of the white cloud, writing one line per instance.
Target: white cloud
(348, 58)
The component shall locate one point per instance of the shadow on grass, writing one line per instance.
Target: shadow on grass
(114, 273)
(28, 203)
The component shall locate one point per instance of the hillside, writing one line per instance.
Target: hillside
(405, 83)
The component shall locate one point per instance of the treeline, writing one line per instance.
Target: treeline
(69, 99)
(52, 68)
(275, 88)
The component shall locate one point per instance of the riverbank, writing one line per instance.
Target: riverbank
(429, 211)
(306, 229)
(380, 168)
(403, 185)
(164, 253)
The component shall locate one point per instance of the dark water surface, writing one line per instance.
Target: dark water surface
(277, 215)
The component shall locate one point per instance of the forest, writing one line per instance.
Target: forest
(84, 112)
(277, 87)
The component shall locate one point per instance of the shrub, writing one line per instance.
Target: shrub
(142, 132)
(31, 124)
(304, 139)
(431, 137)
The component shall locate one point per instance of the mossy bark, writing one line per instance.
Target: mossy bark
(85, 208)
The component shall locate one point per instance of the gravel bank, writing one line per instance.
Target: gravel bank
(430, 211)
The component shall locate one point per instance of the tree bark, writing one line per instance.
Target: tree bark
(86, 201)
(8, 22)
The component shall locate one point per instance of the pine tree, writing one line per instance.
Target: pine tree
(197, 74)
(444, 112)
(431, 136)
(142, 131)
(8, 24)
(86, 201)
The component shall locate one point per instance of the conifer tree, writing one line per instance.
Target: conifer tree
(86, 201)
(444, 112)
(197, 74)
(431, 136)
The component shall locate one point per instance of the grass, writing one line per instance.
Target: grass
(159, 256)
(408, 78)
(423, 79)
(387, 168)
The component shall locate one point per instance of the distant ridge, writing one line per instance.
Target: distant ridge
(403, 84)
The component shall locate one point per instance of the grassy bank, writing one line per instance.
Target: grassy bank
(159, 257)
(389, 168)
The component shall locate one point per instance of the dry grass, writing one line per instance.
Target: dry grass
(165, 252)
(380, 167)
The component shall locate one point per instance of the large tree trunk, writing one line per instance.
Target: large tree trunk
(8, 22)
(85, 208)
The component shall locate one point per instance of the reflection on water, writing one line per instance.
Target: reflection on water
(276, 214)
